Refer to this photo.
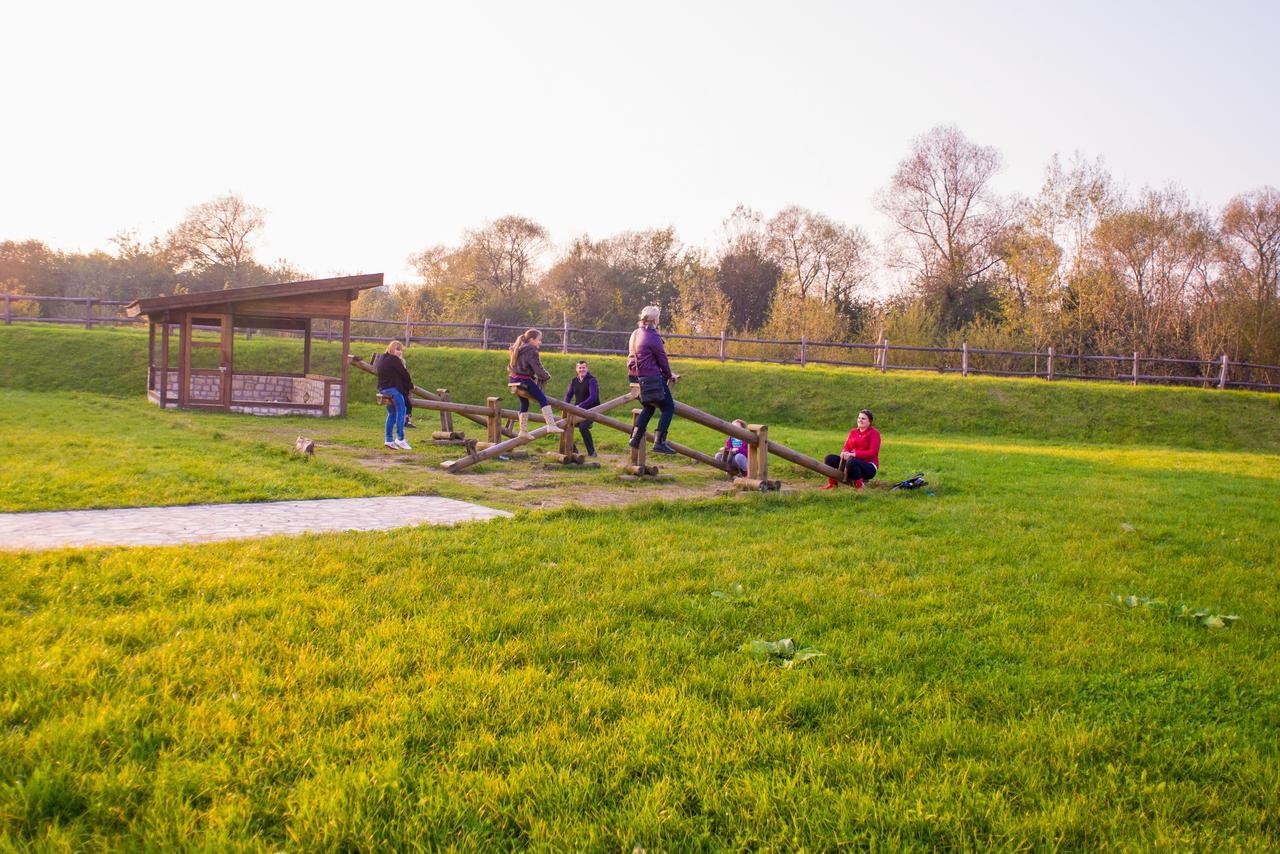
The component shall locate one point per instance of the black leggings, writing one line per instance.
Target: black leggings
(855, 469)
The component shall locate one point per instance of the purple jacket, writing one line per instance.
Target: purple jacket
(647, 357)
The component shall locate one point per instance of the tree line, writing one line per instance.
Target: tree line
(1083, 264)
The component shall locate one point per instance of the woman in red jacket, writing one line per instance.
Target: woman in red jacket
(860, 459)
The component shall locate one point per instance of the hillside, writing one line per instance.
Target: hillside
(112, 362)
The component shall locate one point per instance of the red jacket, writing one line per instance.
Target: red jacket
(864, 446)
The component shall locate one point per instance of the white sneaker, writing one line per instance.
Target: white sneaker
(403, 445)
(392, 446)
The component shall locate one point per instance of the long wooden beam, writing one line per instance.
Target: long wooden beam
(502, 447)
(706, 419)
(431, 396)
(685, 450)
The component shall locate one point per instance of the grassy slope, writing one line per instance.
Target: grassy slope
(40, 359)
(427, 686)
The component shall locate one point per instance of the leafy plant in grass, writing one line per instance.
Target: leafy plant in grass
(735, 595)
(781, 652)
(1177, 613)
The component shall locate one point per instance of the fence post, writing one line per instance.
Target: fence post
(884, 355)
(724, 334)
(484, 336)
(1222, 377)
(964, 358)
(408, 330)
(804, 350)
(88, 313)
(564, 335)
(8, 310)
(1135, 367)
(1049, 369)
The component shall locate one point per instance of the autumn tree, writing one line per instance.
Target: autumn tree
(747, 276)
(949, 219)
(505, 252)
(1250, 253)
(216, 237)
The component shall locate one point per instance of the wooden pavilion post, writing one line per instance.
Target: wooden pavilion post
(151, 352)
(306, 351)
(346, 362)
(226, 357)
(164, 362)
(184, 360)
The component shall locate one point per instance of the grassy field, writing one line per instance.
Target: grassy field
(578, 678)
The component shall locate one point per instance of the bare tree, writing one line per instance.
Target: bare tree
(820, 259)
(217, 234)
(506, 250)
(948, 216)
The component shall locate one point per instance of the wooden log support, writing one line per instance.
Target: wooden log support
(446, 417)
(757, 477)
(636, 463)
(493, 423)
(567, 453)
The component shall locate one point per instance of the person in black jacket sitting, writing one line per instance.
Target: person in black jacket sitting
(406, 389)
(393, 379)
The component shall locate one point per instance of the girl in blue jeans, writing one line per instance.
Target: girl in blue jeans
(392, 376)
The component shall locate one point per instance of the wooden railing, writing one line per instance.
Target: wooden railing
(1048, 364)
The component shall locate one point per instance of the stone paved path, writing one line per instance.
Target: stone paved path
(202, 523)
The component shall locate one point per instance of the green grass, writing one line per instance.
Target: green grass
(568, 680)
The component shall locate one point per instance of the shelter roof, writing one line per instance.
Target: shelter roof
(282, 290)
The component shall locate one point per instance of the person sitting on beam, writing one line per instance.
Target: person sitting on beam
(524, 367)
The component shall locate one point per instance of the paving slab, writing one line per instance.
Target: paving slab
(205, 523)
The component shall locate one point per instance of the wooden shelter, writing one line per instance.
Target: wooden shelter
(206, 324)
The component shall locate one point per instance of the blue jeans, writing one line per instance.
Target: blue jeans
(668, 407)
(395, 412)
(533, 389)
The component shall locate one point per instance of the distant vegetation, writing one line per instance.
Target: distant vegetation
(1082, 263)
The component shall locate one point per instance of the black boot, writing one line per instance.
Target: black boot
(660, 445)
(637, 436)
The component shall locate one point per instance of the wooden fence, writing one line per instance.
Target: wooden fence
(882, 355)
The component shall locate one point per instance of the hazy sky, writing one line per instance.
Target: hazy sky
(372, 130)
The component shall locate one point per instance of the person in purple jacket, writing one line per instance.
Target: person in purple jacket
(647, 357)
(584, 391)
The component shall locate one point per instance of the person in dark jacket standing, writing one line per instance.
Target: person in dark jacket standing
(524, 367)
(647, 357)
(584, 392)
(392, 377)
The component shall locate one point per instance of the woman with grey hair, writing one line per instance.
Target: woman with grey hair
(647, 365)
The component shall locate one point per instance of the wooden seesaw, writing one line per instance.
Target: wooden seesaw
(754, 436)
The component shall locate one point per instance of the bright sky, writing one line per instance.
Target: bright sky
(372, 130)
